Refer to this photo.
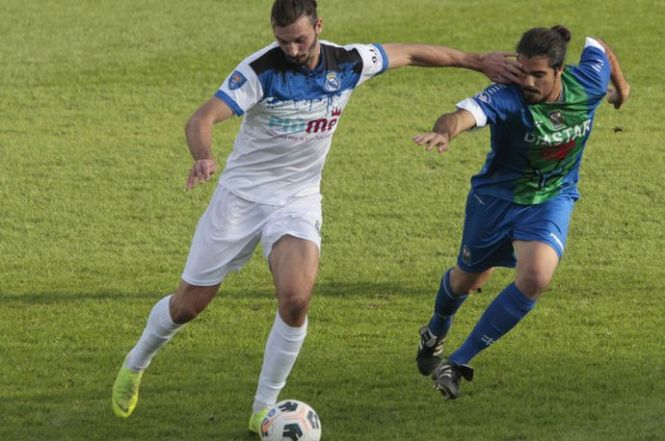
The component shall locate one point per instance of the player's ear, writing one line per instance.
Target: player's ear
(318, 26)
(558, 71)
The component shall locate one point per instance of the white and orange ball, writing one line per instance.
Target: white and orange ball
(291, 420)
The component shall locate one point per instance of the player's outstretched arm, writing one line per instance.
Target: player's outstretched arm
(619, 93)
(198, 132)
(445, 129)
(497, 66)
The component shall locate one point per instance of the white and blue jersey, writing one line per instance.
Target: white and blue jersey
(290, 114)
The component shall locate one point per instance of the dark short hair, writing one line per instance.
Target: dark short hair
(551, 43)
(286, 12)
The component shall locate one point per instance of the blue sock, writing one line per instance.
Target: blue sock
(507, 309)
(447, 303)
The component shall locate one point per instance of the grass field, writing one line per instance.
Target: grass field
(95, 226)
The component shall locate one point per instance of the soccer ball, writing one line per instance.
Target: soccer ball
(291, 420)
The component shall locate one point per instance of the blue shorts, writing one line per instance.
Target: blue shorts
(492, 224)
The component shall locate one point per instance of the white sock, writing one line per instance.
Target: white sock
(282, 349)
(159, 330)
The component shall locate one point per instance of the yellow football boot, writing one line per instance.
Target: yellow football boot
(126, 391)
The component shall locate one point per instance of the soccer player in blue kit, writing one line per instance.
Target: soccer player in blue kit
(291, 95)
(519, 206)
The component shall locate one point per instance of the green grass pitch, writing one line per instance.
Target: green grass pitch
(95, 226)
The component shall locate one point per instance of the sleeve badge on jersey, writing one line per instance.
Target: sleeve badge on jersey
(484, 97)
(236, 80)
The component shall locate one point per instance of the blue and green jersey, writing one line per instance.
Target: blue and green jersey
(536, 149)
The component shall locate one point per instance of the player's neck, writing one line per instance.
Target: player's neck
(315, 58)
(557, 91)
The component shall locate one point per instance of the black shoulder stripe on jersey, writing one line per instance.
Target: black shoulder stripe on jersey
(274, 59)
(334, 57)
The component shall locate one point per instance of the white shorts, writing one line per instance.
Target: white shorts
(231, 227)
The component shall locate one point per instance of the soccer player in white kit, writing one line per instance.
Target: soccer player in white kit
(291, 94)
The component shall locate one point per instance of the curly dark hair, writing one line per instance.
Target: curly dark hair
(551, 43)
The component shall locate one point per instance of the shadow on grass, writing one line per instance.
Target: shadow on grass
(327, 289)
(604, 400)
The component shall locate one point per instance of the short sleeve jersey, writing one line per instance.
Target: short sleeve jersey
(536, 149)
(290, 114)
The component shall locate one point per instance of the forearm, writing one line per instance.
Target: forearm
(198, 130)
(497, 66)
(449, 124)
(445, 129)
(199, 138)
(441, 56)
(424, 55)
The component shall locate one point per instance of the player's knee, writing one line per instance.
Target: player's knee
(293, 307)
(466, 284)
(186, 310)
(189, 301)
(183, 313)
(475, 286)
(533, 282)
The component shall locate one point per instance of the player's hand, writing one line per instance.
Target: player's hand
(617, 97)
(502, 67)
(202, 171)
(433, 140)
